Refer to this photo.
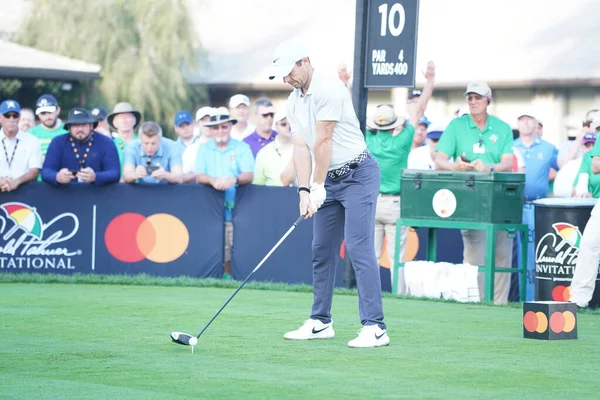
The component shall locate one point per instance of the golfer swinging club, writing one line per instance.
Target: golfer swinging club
(342, 196)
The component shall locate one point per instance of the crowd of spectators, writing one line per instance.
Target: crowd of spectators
(220, 147)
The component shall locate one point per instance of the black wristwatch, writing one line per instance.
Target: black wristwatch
(237, 181)
(303, 189)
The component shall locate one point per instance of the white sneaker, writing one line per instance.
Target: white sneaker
(370, 336)
(312, 329)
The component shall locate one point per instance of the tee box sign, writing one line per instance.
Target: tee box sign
(391, 43)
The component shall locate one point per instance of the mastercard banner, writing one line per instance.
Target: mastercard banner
(171, 230)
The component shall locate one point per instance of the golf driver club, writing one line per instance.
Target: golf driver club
(189, 340)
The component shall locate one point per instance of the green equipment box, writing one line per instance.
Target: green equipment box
(487, 197)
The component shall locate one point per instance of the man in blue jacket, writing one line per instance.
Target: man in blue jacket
(81, 155)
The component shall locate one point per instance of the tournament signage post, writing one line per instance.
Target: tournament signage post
(391, 43)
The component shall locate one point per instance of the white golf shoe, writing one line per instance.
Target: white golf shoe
(312, 329)
(370, 336)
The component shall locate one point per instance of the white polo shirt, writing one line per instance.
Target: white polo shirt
(188, 157)
(327, 99)
(27, 155)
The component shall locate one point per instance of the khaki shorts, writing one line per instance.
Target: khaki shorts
(228, 240)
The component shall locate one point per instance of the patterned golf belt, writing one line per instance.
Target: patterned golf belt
(349, 166)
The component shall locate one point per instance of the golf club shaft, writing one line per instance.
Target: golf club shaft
(265, 258)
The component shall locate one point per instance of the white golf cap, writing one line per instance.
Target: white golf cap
(284, 58)
(238, 99)
(526, 113)
(279, 116)
(480, 88)
(203, 112)
(595, 122)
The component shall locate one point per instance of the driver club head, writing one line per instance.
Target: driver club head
(184, 339)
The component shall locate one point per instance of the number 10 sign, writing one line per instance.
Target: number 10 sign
(391, 43)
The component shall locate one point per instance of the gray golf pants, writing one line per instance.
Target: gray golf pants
(348, 212)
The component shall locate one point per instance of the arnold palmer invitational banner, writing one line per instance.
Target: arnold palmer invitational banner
(162, 230)
(119, 229)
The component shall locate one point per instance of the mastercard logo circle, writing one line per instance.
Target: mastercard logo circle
(160, 238)
(561, 293)
(559, 322)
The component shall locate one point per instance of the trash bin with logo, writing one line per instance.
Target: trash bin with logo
(559, 225)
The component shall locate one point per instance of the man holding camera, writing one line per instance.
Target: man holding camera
(81, 155)
(152, 158)
(480, 142)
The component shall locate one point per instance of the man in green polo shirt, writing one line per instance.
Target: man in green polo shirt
(480, 142)
(47, 110)
(389, 138)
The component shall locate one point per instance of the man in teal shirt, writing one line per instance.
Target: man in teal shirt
(224, 163)
(480, 142)
(389, 138)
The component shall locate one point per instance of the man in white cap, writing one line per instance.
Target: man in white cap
(342, 196)
(540, 158)
(200, 130)
(189, 155)
(480, 142)
(239, 106)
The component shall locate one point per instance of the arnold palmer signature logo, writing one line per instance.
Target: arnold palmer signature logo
(556, 252)
(27, 242)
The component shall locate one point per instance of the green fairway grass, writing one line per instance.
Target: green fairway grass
(111, 341)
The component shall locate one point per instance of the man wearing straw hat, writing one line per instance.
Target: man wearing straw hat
(390, 139)
(224, 163)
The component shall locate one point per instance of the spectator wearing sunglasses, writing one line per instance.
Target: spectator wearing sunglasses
(480, 142)
(22, 156)
(274, 164)
(264, 133)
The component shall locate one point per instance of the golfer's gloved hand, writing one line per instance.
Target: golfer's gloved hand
(317, 195)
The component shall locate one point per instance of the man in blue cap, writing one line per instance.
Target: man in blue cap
(47, 110)
(420, 132)
(81, 154)
(423, 157)
(22, 159)
(184, 128)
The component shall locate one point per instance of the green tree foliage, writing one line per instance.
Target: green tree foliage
(143, 47)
